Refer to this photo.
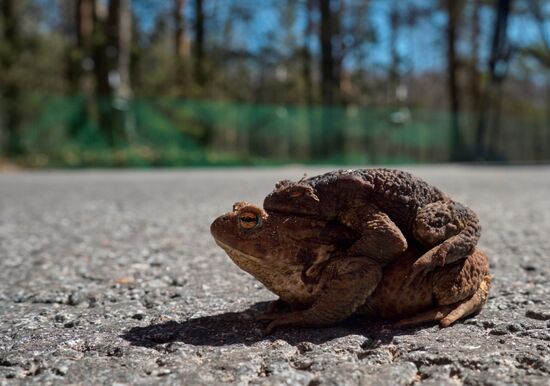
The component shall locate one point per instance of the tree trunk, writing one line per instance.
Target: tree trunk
(329, 80)
(536, 11)
(198, 48)
(497, 66)
(475, 79)
(85, 10)
(307, 75)
(101, 44)
(306, 55)
(80, 75)
(181, 40)
(181, 46)
(454, 9)
(112, 59)
(11, 94)
(123, 88)
(330, 139)
(393, 70)
(79, 53)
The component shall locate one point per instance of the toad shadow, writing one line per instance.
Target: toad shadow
(241, 328)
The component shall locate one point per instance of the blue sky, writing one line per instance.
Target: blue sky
(421, 47)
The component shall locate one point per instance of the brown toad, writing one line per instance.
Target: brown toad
(306, 262)
(389, 208)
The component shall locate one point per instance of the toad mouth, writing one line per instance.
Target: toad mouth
(236, 254)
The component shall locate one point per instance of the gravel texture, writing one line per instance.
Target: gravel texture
(113, 278)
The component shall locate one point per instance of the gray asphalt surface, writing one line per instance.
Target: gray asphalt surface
(110, 277)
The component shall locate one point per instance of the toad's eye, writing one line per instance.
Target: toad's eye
(249, 220)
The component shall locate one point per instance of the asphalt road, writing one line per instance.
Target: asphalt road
(112, 277)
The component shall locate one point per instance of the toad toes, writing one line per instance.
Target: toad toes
(306, 262)
(389, 208)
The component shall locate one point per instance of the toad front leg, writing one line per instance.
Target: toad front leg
(273, 309)
(450, 228)
(345, 285)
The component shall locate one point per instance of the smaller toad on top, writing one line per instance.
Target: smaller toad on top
(389, 209)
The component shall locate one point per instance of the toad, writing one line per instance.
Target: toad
(389, 208)
(309, 264)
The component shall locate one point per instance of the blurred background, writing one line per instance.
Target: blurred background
(269, 82)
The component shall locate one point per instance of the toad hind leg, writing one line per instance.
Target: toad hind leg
(381, 239)
(469, 306)
(435, 314)
(346, 284)
(448, 314)
(453, 231)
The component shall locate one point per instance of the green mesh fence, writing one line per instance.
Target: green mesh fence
(77, 131)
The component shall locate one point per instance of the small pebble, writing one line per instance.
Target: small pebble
(163, 372)
(74, 299)
(500, 330)
(305, 347)
(71, 323)
(515, 327)
(302, 363)
(178, 282)
(538, 314)
(61, 317)
(62, 370)
(140, 315)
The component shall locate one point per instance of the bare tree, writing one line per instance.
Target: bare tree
(181, 39)
(112, 70)
(11, 92)
(122, 87)
(497, 68)
(330, 68)
(181, 45)
(474, 74)
(393, 69)
(79, 61)
(541, 53)
(306, 53)
(80, 20)
(198, 47)
(454, 12)
(85, 18)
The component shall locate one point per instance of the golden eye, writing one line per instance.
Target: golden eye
(248, 220)
(296, 193)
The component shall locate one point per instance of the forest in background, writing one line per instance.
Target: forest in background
(210, 82)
